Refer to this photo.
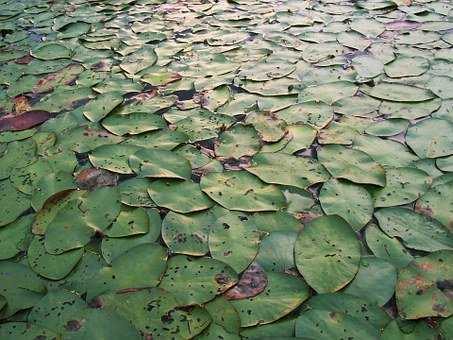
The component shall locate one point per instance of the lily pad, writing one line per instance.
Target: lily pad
(327, 253)
(350, 164)
(298, 171)
(183, 197)
(241, 191)
(431, 138)
(160, 164)
(424, 234)
(350, 201)
(421, 290)
(195, 281)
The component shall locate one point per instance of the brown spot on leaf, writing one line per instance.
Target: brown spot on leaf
(253, 281)
(92, 178)
(21, 105)
(73, 325)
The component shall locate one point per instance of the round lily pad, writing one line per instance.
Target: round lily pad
(240, 140)
(298, 171)
(327, 253)
(53, 267)
(238, 190)
(12, 203)
(129, 222)
(283, 294)
(133, 123)
(375, 281)
(431, 138)
(187, 233)
(425, 233)
(437, 203)
(160, 164)
(234, 241)
(183, 197)
(195, 281)
(422, 287)
(399, 92)
(350, 164)
(347, 200)
(113, 157)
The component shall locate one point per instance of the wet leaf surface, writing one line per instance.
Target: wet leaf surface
(278, 169)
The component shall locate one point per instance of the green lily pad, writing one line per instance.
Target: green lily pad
(312, 113)
(161, 140)
(431, 138)
(350, 164)
(14, 236)
(187, 233)
(267, 166)
(129, 222)
(437, 203)
(234, 241)
(203, 125)
(375, 281)
(195, 281)
(282, 295)
(51, 51)
(350, 201)
(421, 289)
(276, 253)
(399, 92)
(133, 123)
(156, 310)
(387, 248)
(139, 60)
(413, 110)
(327, 253)
(183, 197)
(388, 127)
(134, 192)
(407, 67)
(113, 157)
(16, 330)
(323, 324)
(238, 190)
(18, 154)
(101, 106)
(403, 185)
(53, 267)
(160, 164)
(21, 288)
(12, 203)
(240, 140)
(424, 233)
(130, 270)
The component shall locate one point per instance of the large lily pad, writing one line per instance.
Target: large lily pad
(348, 200)
(234, 241)
(283, 294)
(327, 253)
(241, 191)
(424, 233)
(195, 281)
(350, 164)
(298, 171)
(183, 197)
(421, 290)
(431, 138)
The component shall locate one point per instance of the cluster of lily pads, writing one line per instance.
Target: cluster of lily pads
(226, 169)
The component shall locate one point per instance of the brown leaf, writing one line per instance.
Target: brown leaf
(92, 178)
(23, 121)
(253, 281)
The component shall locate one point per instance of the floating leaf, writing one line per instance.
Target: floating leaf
(241, 191)
(327, 253)
(183, 197)
(354, 165)
(348, 200)
(298, 171)
(424, 233)
(160, 164)
(282, 295)
(234, 241)
(422, 287)
(195, 281)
